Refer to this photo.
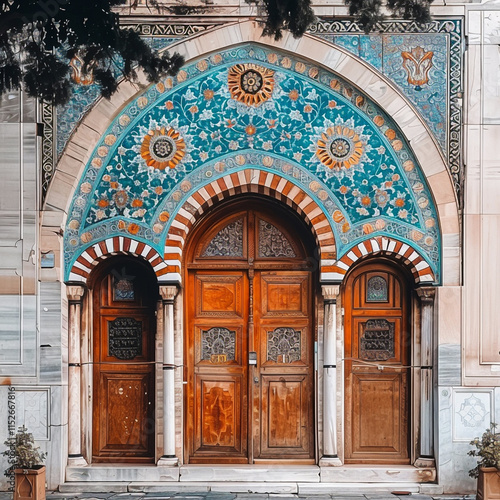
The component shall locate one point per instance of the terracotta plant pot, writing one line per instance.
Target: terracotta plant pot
(30, 484)
(488, 484)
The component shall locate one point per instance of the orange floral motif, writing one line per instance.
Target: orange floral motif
(390, 134)
(366, 200)
(133, 228)
(308, 108)
(208, 94)
(367, 228)
(339, 147)
(250, 130)
(137, 203)
(250, 83)
(344, 189)
(399, 202)
(120, 198)
(113, 185)
(82, 73)
(169, 105)
(164, 216)
(417, 64)
(193, 109)
(338, 216)
(103, 203)
(293, 94)
(158, 190)
(162, 148)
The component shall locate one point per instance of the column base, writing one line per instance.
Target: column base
(330, 461)
(425, 462)
(168, 461)
(76, 461)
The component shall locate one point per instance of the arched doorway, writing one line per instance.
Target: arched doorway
(377, 371)
(125, 292)
(249, 336)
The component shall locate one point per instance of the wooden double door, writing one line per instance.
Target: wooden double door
(125, 294)
(249, 341)
(377, 365)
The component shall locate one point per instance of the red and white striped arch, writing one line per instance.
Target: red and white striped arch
(168, 268)
(250, 180)
(116, 245)
(419, 267)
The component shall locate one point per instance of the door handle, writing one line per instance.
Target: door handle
(256, 380)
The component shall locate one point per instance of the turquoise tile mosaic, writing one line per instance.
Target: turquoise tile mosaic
(435, 51)
(251, 106)
(83, 98)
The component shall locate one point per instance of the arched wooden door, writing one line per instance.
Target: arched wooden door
(377, 346)
(249, 338)
(125, 294)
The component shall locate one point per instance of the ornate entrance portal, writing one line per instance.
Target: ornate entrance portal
(377, 359)
(249, 338)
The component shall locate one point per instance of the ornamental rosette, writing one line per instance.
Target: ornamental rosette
(162, 148)
(250, 83)
(339, 146)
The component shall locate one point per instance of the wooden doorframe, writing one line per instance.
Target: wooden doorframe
(412, 313)
(304, 235)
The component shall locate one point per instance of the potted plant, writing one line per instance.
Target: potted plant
(26, 462)
(487, 470)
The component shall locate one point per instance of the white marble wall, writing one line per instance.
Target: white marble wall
(482, 203)
(33, 345)
(469, 346)
(42, 410)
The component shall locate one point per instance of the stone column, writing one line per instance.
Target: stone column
(330, 456)
(169, 457)
(426, 295)
(75, 295)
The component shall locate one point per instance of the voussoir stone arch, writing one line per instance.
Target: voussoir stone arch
(117, 245)
(383, 93)
(251, 180)
(381, 245)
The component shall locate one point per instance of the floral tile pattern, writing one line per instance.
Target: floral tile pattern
(308, 123)
(384, 52)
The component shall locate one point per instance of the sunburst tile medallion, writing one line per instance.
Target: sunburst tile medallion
(340, 147)
(250, 83)
(162, 148)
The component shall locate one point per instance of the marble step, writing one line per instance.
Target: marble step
(250, 473)
(377, 474)
(299, 489)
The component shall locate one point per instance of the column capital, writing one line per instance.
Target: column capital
(168, 292)
(426, 293)
(75, 293)
(330, 292)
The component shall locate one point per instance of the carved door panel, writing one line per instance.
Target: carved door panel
(246, 301)
(283, 384)
(377, 373)
(123, 399)
(217, 381)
